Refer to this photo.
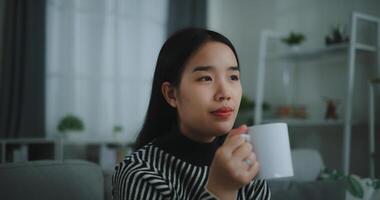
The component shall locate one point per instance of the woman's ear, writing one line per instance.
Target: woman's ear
(168, 91)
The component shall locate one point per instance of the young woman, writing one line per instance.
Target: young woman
(187, 148)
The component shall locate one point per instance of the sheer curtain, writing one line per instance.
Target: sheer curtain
(100, 62)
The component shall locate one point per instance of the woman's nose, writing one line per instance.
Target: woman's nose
(223, 98)
(222, 93)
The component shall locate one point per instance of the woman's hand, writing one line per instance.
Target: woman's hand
(234, 165)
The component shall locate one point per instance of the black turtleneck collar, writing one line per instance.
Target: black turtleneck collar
(188, 150)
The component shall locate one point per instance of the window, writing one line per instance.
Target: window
(100, 62)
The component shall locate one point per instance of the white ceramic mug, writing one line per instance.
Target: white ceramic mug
(271, 145)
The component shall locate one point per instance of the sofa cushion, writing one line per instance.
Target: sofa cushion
(307, 164)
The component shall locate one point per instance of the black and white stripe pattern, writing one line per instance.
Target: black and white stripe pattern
(151, 173)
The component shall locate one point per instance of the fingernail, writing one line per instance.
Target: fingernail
(246, 137)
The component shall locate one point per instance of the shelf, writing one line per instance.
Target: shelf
(365, 47)
(95, 141)
(78, 140)
(311, 122)
(322, 51)
(301, 53)
(103, 150)
(305, 122)
(28, 141)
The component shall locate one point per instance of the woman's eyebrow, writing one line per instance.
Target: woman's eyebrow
(234, 68)
(202, 68)
(208, 68)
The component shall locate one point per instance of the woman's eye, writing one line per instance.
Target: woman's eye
(234, 77)
(205, 78)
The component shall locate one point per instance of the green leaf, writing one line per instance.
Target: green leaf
(294, 38)
(117, 129)
(70, 122)
(246, 103)
(376, 184)
(354, 187)
(331, 174)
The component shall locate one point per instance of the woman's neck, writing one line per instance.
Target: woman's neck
(195, 135)
(187, 149)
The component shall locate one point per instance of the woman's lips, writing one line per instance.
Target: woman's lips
(223, 113)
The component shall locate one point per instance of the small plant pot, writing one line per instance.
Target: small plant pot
(119, 136)
(73, 135)
(295, 48)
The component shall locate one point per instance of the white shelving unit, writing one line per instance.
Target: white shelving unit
(18, 150)
(305, 122)
(372, 151)
(313, 53)
(352, 49)
(305, 54)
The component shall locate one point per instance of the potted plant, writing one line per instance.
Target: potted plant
(337, 35)
(117, 131)
(245, 114)
(294, 39)
(70, 126)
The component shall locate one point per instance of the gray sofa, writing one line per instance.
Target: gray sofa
(51, 180)
(74, 180)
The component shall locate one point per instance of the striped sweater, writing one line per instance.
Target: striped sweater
(173, 167)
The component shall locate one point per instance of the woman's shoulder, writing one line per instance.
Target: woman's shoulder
(144, 158)
(137, 163)
(136, 170)
(137, 157)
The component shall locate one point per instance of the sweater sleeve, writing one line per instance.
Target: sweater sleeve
(258, 189)
(135, 181)
(207, 195)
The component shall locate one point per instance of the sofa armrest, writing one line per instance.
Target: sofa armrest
(43, 180)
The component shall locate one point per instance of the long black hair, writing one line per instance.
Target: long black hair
(170, 64)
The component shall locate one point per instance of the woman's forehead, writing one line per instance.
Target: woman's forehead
(213, 55)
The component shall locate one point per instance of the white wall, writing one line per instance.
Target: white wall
(242, 21)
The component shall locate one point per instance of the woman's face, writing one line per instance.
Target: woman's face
(208, 97)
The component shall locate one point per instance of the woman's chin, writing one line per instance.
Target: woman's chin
(223, 128)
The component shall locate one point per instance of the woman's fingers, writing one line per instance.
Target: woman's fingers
(252, 172)
(249, 169)
(234, 138)
(253, 168)
(241, 129)
(243, 151)
(250, 160)
(234, 163)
